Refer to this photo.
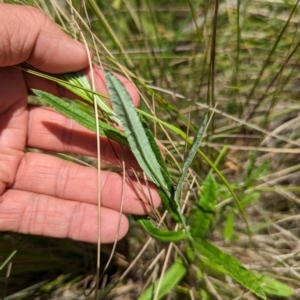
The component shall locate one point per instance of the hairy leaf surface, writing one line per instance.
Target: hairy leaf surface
(136, 135)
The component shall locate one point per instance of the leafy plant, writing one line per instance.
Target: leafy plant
(150, 160)
(217, 82)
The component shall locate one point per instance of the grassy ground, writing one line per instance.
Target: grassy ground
(240, 62)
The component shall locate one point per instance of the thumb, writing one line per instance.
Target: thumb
(28, 35)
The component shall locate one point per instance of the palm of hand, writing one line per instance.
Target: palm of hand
(41, 194)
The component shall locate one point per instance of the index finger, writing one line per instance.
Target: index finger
(28, 35)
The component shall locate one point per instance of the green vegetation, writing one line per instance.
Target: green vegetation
(219, 89)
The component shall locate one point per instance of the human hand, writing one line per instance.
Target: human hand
(41, 194)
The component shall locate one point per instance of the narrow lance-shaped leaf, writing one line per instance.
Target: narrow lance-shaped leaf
(205, 158)
(157, 153)
(166, 199)
(191, 154)
(230, 265)
(142, 143)
(81, 117)
(81, 87)
(171, 278)
(137, 138)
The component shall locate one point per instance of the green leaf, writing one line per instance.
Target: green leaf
(81, 117)
(191, 154)
(200, 217)
(76, 113)
(157, 153)
(229, 225)
(161, 234)
(78, 83)
(136, 135)
(206, 159)
(8, 259)
(231, 267)
(274, 287)
(27, 292)
(171, 278)
(168, 204)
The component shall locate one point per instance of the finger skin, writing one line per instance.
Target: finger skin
(50, 131)
(45, 174)
(28, 35)
(13, 124)
(42, 194)
(37, 214)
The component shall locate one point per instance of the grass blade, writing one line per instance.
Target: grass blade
(27, 292)
(8, 259)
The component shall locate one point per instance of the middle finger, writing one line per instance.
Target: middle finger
(45, 174)
(49, 130)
